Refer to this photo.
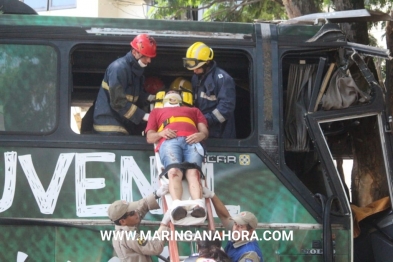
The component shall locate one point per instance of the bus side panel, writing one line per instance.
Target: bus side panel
(74, 183)
(65, 183)
(49, 243)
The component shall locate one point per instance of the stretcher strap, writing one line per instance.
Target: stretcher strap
(174, 119)
(183, 167)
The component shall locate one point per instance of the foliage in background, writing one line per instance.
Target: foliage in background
(376, 28)
(217, 10)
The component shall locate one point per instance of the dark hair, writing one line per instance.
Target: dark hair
(215, 253)
(117, 222)
(202, 244)
(205, 66)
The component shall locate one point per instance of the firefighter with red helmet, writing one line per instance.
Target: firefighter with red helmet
(117, 109)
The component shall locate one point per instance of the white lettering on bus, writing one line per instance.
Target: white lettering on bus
(47, 200)
(82, 183)
(10, 181)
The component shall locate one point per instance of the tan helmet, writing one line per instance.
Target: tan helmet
(181, 84)
(197, 55)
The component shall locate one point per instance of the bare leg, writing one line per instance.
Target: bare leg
(194, 184)
(175, 185)
(176, 190)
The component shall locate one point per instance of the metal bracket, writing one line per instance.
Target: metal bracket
(388, 126)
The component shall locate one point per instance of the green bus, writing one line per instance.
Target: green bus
(57, 182)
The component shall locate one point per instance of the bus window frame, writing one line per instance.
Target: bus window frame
(57, 84)
(375, 108)
(166, 44)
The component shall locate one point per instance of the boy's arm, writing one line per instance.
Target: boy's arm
(153, 136)
(202, 128)
(197, 137)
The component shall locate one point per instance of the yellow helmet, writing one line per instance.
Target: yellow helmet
(197, 55)
(181, 84)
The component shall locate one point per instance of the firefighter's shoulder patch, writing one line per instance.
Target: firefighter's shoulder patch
(141, 241)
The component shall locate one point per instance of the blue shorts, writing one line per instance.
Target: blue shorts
(176, 150)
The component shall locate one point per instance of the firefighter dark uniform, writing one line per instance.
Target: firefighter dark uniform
(216, 97)
(117, 97)
(117, 108)
(214, 90)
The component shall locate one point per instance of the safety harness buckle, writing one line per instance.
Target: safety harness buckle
(167, 121)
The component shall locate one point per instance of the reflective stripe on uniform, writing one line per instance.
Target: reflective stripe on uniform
(129, 98)
(130, 112)
(217, 114)
(105, 85)
(110, 128)
(210, 98)
(173, 119)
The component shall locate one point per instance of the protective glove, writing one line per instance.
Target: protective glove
(207, 193)
(146, 117)
(150, 98)
(162, 191)
(167, 218)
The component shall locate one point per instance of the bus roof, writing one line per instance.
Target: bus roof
(127, 26)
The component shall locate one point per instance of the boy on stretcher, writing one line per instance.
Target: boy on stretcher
(178, 131)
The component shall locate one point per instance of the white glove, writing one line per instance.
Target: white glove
(151, 98)
(207, 193)
(146, 117)
(163, 190)
(167, 218)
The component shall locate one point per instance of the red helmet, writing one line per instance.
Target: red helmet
(144, 44)
(153, 84)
